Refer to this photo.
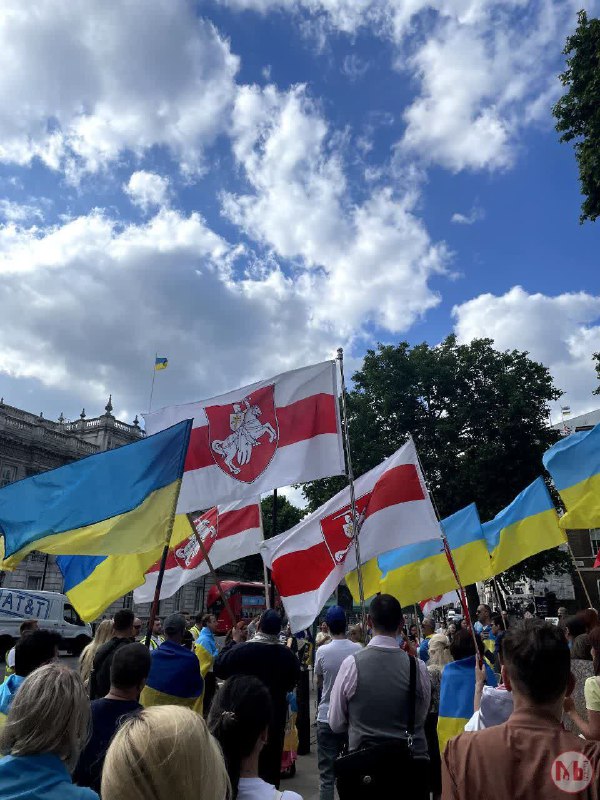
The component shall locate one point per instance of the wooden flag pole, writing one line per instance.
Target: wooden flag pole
(350, 475)
(212, 570)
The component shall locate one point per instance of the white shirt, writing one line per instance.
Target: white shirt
(327, 664)
(257, 789)
(10, 658)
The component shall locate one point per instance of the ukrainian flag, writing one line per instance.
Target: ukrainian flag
(161, 363)
(457, 697)
(174, 678)
(92, 583)
(527, 526)
(421, 570)
(120, 502)
(574, 464)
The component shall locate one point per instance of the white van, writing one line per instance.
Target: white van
(52, 611)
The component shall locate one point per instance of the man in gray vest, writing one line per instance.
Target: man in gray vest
(370, 696)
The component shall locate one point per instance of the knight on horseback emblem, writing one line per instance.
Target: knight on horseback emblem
(249, 428)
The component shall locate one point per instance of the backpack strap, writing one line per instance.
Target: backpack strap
(412, 701)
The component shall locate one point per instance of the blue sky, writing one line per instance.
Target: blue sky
(245, 185)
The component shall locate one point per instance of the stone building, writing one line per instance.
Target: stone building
(29, 444)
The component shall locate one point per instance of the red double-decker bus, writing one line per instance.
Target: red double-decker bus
(246, 600)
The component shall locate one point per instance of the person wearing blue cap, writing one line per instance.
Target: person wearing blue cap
(279, 669)
(327, 665)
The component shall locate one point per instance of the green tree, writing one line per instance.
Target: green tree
(479, 418)
(596, 357)
(578, 111)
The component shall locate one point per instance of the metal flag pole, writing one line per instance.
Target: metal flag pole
(212, 570)
(265, 570)
(153, 378)
(585, 589)
(350, 475)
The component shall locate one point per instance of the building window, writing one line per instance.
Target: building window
(34, 582)
(7, 475)
(595, 540)
(128, 600)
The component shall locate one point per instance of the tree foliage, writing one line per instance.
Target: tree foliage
(578, 111)
(479, 418)
(596, 357)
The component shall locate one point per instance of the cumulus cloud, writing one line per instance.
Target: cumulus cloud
(147, 189)
(80, 82)
(561, 331)
(368, 262)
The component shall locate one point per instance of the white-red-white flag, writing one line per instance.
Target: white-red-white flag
(228, 532)
(310, 560)
(429, 605)
(273, 433)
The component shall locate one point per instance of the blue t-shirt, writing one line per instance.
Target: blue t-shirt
(39, 777)
(107, 715)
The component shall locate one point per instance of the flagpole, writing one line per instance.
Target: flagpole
(269, 585)
(153, 378)
(212, 570)
(350, 474)
(587, 594)
(497, 591)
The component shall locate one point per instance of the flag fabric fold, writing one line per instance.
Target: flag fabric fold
(228, 532)
(272, 433)
(529, 525)
(117, 502)
(457, 697)
(441, 600)
(310, 560)
(574, 465)
(174, 678)
(161, 363)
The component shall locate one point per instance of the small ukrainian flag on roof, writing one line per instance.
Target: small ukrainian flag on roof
(161, 363)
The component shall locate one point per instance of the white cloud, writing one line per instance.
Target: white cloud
(12, 211)
(476, 214)
(81, 82)
(368, 262)
(561, 331)
(147, 189)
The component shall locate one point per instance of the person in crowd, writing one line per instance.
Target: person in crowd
(483, 624)
(413, 634)
(197, 626)
(26, 627)
(122, 634)
(241, 628)
(156, 637)
(499, 628)
(86, 659)
(46, 729)
(562, 615)
(328, 661)
(206, 649)
(590, 726)
(464, 624)
(450, 631)
(590, 618)
(356, 634)
(137, 629)
(279, 669)
(323, 636)
(239, 720)
(36, 648)
(174, 677)
(582, 668)
(163, 753)
(537, 670)
(128, 673)
(370, 696)
(574, 627)
(457, 687)
(187, 641)
(428, 628)
(492, 705)
(253, 627)
(439, 656)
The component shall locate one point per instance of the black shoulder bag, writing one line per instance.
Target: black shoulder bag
(373, 771)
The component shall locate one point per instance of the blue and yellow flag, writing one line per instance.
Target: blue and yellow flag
(574, 464)
(457, 697)
(414, 572)
(115, 503)
(527, 526)
(174, 678)
(161, 363)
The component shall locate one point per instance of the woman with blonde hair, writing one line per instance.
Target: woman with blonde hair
(104, 632)
(46, 729)
(439, 656)
(164, 752)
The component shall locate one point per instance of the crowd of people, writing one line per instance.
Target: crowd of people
(425, 706)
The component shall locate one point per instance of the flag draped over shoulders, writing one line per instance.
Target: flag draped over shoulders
(206, 650)
(174, 678)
